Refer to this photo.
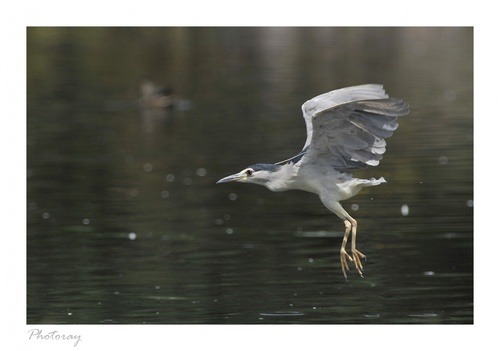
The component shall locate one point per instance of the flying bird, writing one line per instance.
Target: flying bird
(346, 130)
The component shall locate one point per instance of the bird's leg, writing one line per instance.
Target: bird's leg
(350, 227)
(344, 256)
(356, 255)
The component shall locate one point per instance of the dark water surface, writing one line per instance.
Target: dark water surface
(126, 224)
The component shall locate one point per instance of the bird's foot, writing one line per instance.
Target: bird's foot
(357, 261)
(344, 258)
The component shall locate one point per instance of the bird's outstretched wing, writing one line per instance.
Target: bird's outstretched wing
(346, 128)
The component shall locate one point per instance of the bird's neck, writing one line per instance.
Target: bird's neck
(282, 179)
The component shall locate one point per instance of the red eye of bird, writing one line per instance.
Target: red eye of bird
(249, 172)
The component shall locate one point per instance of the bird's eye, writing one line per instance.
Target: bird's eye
(249, 172)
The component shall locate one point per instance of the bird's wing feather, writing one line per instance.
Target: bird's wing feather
(346, 128)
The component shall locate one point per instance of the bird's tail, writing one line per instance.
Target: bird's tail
(374, 181)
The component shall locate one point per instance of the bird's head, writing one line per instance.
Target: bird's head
(260, 173)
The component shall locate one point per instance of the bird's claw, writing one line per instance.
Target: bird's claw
(344, 256)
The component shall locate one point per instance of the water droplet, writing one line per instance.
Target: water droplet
(45, 215)
(148, 167)
(470, 203)
(405, 210)
(170, 178)
(132, 236)
(429, 273)
(201, 172)
(355, 207)
(86, 221)
(443, 160)
(229, 231)
(164, 194)
(233, 196)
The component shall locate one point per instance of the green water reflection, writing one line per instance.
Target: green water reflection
(126, 224)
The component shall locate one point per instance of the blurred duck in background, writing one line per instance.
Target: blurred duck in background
(155, 96)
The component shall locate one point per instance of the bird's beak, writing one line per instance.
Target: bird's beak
(232, 178)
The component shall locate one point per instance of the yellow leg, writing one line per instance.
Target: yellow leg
(344, 256)
(356, 255)
(350, 227)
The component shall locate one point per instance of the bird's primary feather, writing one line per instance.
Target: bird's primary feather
(346, 128)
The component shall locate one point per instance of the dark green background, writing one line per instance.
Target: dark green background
(100, 168)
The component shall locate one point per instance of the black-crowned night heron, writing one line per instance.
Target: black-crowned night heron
(346, 129)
